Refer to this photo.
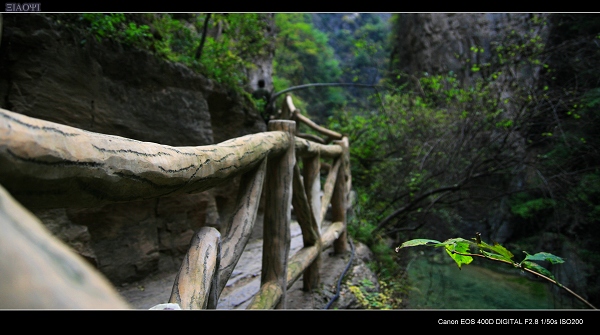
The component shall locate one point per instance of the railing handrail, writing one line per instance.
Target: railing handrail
(46, 164)
(121, 169)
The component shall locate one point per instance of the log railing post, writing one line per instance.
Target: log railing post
(339, 198)
(312, 184)
(276, 227)
(288, 108)
(37, 270)
(312, 188)
(196, 283)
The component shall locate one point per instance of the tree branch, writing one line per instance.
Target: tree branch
(204, 30)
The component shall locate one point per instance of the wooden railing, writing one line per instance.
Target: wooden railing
(44, 164)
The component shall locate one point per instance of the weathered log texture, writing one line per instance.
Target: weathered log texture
(345, 144)
(312, 185)
(311, 137)
(268, 297)
(305, 258)
(300, 262)
(338, 202)
(328, 189)
(242, 222)
(48, 165)
(303, 210)
(196, 285)
(270, 293)
(305, 148)
(276, 226)
(288, 108)
(209, 263)
(332, 135)
(309, 227)
(37, 271)
(332, 233)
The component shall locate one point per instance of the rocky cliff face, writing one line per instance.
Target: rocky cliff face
(49, 72)
(434, 42)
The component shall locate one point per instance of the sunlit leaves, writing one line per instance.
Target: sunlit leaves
(115, 26)
(418, 242)
(456, 248)
(459, 250)
(227, 53)
(495, 251)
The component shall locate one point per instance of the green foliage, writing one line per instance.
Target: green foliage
(441, 144)
(459, 250)
(543, 256)
(418, 143)
(524, 206)
(587, 195)
(303, 56)
(116, 26)
(226, 56)
(366, 52)
(230, 46)
(369, 298)
(462, 252)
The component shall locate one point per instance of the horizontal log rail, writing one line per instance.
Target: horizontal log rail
(48, 165)
(52, 165)
(290, 111)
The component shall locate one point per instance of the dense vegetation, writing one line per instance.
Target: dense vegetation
(329, 48)
(510, 149)
(303, 56)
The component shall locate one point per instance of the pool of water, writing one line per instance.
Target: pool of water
(435, 283)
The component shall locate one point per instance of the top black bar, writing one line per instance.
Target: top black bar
(256, 7)
(184, 7)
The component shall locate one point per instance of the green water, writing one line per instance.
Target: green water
(437, 284)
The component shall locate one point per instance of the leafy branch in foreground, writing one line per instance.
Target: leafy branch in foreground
(459, 249)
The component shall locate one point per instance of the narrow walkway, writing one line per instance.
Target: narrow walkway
(244, 282)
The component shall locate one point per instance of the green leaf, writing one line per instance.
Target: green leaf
(459, 259)
(537, 268)
(458, 245)
(497, 249)
(544, 256)
(417, 242)
(496, 256)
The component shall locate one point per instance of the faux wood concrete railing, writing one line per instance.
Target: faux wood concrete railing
(48, 165)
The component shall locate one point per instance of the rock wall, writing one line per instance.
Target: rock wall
(264, 66)
(431, 42)
(59, 75)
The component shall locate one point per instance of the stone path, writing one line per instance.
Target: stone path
(244, 282)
